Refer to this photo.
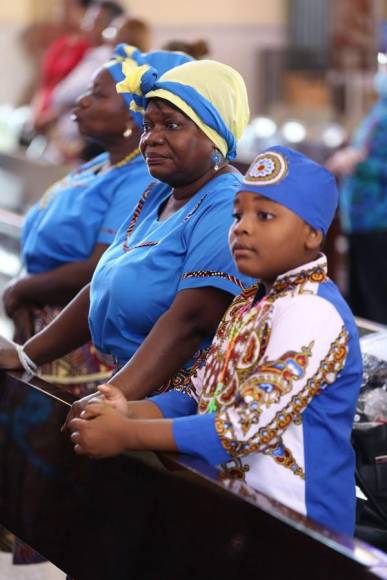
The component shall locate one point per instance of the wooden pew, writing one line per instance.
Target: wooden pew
(148, 516)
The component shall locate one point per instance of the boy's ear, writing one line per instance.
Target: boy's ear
(314, 239)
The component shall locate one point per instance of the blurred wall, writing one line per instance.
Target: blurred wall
(17, 11)
(15, 68)
(209, 12)
(235, 29)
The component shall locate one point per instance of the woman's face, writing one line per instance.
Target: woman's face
(175, 149)
(101, 112)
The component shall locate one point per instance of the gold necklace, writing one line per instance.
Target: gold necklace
(128, 158)
(49, 195)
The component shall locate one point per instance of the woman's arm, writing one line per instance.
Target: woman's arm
(57, 286)
(194, 315)
(67, 332)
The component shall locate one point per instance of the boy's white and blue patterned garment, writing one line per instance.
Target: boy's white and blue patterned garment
(85, 208)
(276, 398)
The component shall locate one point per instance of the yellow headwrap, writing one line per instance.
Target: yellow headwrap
(215, 83)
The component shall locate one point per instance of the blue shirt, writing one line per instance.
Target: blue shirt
(81, 210)
(363, 199)
(138, 277)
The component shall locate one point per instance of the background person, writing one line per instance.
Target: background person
(60, 58)
(68, 230)
(363, 208)
(64, 142)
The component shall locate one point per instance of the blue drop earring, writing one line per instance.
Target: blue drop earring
(216, 159)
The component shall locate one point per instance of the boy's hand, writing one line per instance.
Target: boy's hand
(100, 432)
(105, 394)
(114, 397)
(77, 407)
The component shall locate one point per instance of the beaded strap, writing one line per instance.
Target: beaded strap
(28, 365)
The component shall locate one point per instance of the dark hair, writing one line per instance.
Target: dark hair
(86, 3)
(114, 9)
(135, 32)
(197, 49)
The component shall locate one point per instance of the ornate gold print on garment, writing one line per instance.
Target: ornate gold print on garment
(234, 469)
(249, 406)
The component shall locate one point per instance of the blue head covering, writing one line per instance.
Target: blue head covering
(213, 95)
(129, 65)
(296, 182)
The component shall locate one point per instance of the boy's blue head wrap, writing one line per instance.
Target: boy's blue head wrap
(296, 182)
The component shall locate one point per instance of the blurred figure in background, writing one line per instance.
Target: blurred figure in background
(61, 57)
(64, 141)
(97, 18)
(131, 31)
(34, 40)
(197, 49)
(363, 207)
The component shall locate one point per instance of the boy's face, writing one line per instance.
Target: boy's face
(267, 239)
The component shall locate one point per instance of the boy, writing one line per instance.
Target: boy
(275, 400)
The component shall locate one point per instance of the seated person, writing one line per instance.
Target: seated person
(64, 142)
(278, 389)
(161, 288)
(60, 58)
(66, 232)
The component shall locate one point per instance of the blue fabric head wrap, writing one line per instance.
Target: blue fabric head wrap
(134, 72)
(211, 94)
(203, 108)
(296, 182)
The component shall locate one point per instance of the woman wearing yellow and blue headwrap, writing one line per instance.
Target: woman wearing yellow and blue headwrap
(162, 287)
(67, 231)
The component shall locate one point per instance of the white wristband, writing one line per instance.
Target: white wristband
(28, 365)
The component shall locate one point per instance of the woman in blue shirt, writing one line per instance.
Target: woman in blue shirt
(67, 231)
(163, 285)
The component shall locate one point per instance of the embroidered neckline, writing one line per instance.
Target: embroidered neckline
(314, 272)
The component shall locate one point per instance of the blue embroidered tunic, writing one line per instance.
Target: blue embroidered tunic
(276, 398)
(81, 210)
(150, 261)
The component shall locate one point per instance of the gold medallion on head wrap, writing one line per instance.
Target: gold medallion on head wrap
(268, 168)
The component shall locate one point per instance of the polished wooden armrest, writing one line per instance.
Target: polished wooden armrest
(145, 515)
